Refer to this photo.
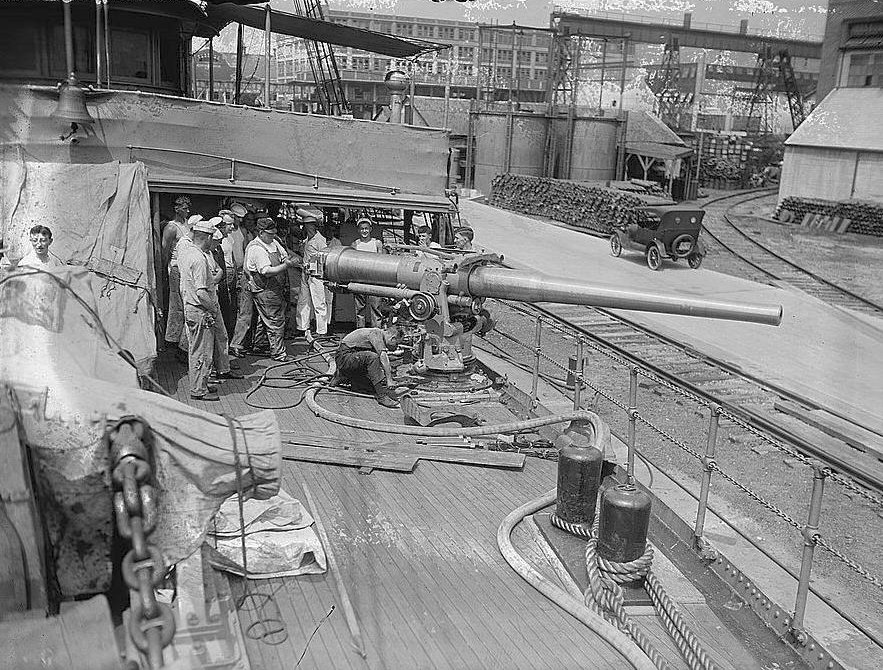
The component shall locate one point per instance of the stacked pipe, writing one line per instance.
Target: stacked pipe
(583, 205)
(866, 217)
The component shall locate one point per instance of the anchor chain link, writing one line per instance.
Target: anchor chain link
(151, 623)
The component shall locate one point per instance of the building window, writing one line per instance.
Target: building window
(446, 32)
(541, 57)
(466, 34)
(524, 57)
(539, 73)
(359, 63)
(466, 53)
(404, 29)
(504, 55)
(425, 31)
(864, 69)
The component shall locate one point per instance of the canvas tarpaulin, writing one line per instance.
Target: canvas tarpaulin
(194, 458)
(100, 220)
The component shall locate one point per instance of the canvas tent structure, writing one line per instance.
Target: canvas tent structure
(837, 152)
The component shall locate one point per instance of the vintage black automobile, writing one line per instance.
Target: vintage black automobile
(663, 232)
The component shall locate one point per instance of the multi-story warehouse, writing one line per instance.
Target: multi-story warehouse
(837, 153)
(484, 62)
(852, 52)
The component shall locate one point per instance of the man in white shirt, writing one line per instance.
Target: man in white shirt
(39, 256)
(206, 336)
(311, 299)
(266, 266)
(174, 230)
(367, 306)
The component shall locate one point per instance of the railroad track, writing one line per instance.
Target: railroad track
(715, 382)
(762, 264)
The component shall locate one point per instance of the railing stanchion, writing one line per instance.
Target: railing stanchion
(578, 376)
(537, 350)
(810, 532)
(708, 468)
(633, 420)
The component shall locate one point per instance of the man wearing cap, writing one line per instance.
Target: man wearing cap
(228, 314)
(266, 266)
(367, 306)
(311, 299)
(174, 230)
(242, 236)
(206, 337)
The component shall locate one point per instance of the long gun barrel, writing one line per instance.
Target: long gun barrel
(478, 280)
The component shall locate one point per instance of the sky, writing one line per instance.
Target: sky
(775, 16)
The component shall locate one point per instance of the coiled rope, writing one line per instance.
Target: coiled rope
(622, 643)
(604, 596)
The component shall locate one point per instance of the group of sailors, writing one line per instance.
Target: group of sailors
(231, 292)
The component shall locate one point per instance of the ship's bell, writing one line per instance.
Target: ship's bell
(72, 102)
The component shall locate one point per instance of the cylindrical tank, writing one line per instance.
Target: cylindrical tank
(594, 149)
(579, 476)
(623, 521)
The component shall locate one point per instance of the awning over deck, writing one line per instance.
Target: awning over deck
(283, 23)
(323, 196)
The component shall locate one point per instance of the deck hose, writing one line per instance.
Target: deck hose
(596, 623)
(435, 431)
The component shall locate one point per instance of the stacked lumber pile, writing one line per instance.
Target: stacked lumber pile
(865, 218)
(585, 206)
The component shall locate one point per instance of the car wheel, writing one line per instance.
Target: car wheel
(654, 260)
(695, 260)
(615, 245)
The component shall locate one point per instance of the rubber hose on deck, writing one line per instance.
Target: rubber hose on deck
(425, 431)
(609, 633)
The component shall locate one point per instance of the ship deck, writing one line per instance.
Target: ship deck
(418, 557)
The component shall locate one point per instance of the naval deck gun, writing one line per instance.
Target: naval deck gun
(445, 295)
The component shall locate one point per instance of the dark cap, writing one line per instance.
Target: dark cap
(182, 200)
(266, 223)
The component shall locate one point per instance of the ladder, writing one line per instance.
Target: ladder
(329, 87)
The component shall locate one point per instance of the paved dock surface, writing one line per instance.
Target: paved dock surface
(823, 353)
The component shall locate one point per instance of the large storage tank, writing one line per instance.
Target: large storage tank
(593, 157)
(525, 150)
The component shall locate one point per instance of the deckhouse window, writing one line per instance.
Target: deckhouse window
(130, 54)
(21, 48)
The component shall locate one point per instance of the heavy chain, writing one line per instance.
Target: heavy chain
(857, 567)
(756, 496)
(151, 623)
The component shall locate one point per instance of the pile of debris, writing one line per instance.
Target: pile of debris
(855, 216)
(586, 206)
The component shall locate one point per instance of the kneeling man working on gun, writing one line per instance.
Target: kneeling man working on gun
(362, 358)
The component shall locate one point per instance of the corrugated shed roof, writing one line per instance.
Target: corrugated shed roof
(847, 118)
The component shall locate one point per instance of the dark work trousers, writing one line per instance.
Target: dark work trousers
(367, 311)
(244, 313)
(270, 305)
(361, 366)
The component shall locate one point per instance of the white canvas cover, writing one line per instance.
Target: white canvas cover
(100, 219)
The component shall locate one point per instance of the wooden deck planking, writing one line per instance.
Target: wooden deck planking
(409, 566)
(444, 598)
(512, 590)
(368, 593)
